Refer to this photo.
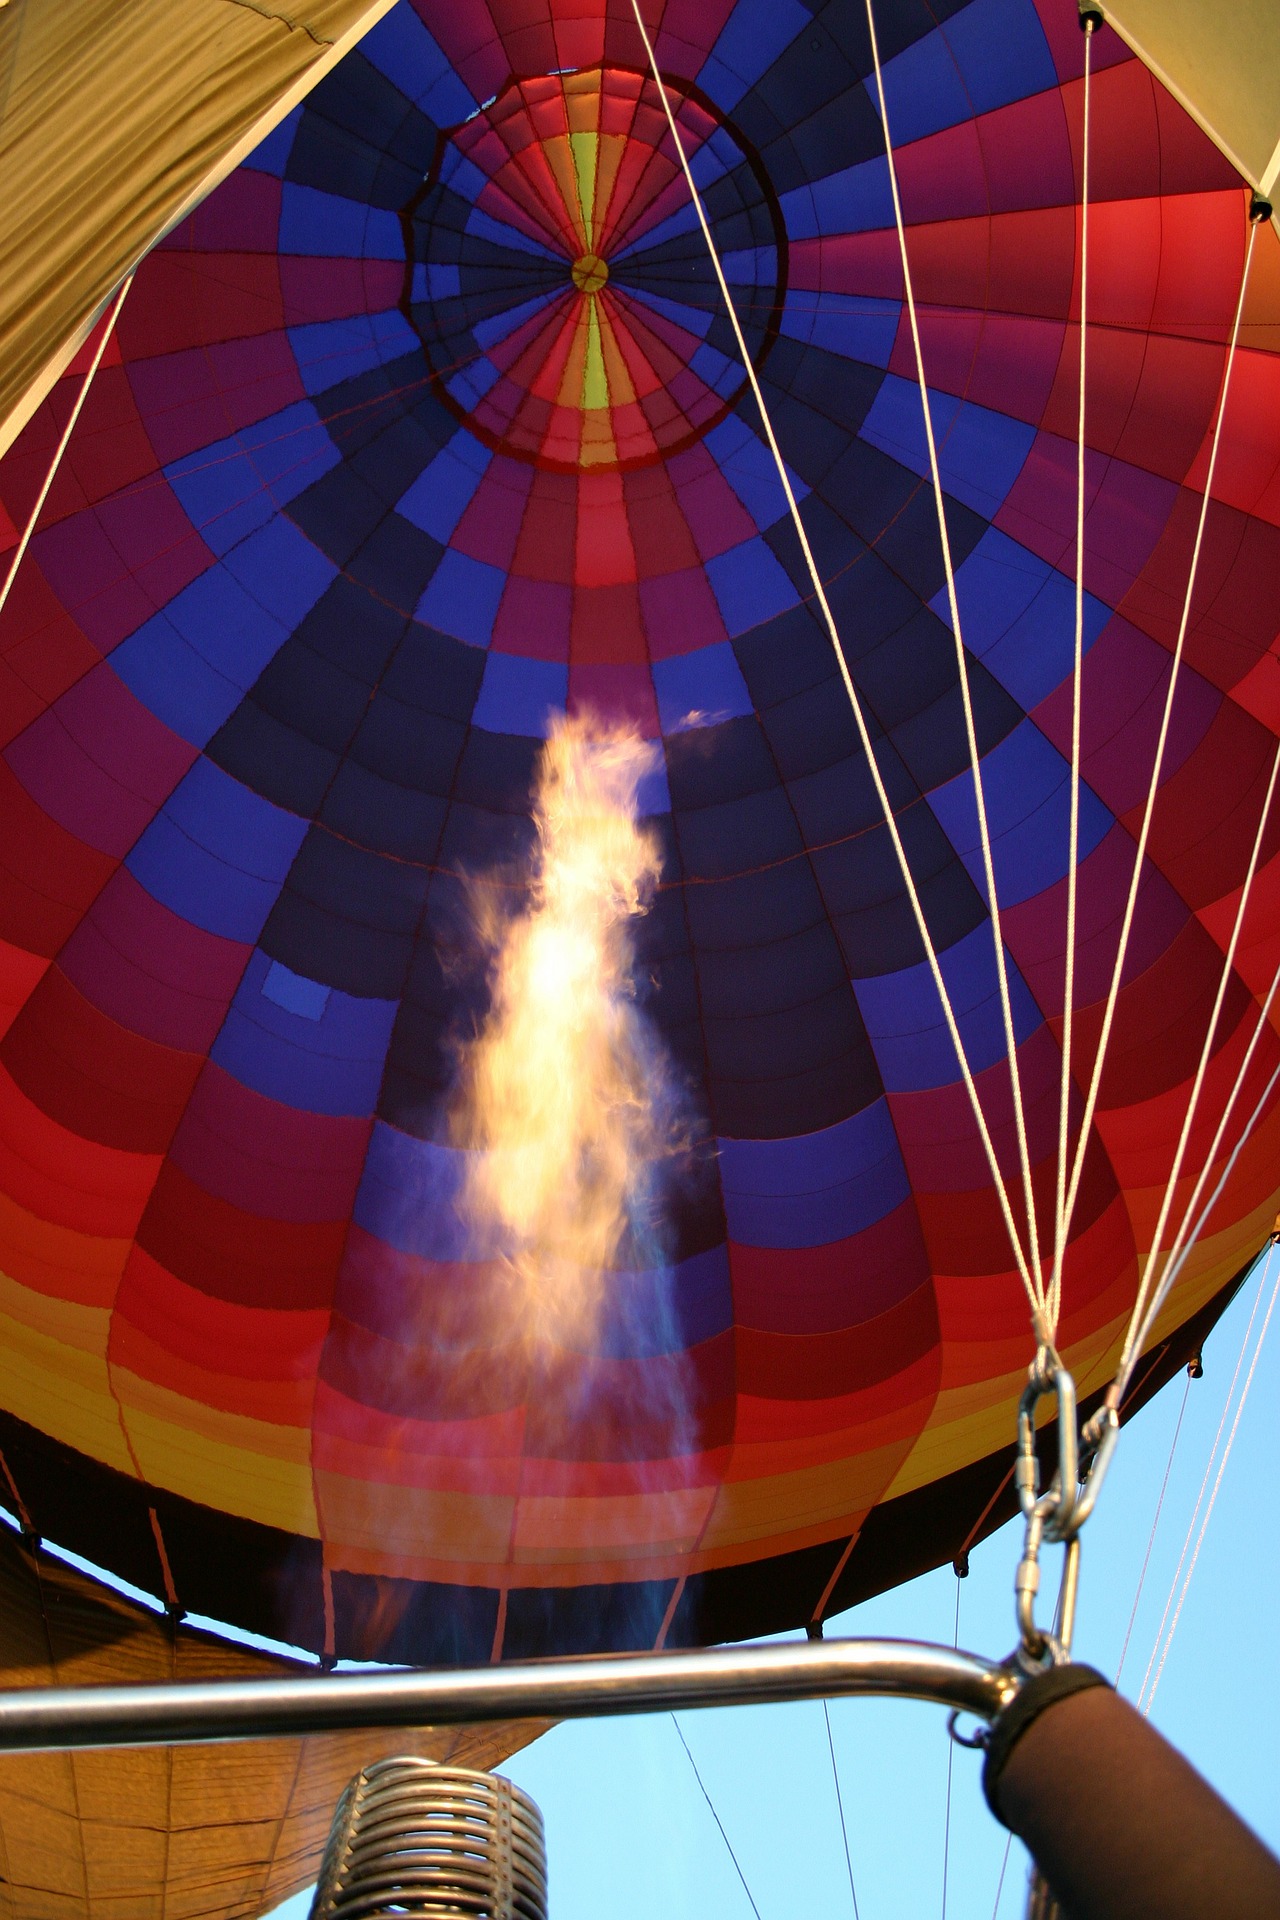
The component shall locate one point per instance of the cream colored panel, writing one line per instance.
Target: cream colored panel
(1223, 62)
(116, 118)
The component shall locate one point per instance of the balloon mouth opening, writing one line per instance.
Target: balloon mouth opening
(590, 273)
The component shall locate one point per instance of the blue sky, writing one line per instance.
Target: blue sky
(628, 1828)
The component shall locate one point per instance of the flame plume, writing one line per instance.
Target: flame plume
(567, 1105)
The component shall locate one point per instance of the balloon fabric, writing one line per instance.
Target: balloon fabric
(428, 424)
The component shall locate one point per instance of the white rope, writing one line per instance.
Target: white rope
(1145, 1706)
(1145, 1308)
(1033, 1286)
(1204, 1487)
(1073, 834)
(34, 516)
(962, 667)
(1155, 1525)
(1144, 835)
(1184, 1250)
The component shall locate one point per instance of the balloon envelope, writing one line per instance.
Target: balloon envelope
(430, 423)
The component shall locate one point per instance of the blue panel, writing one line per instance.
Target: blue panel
(1027, 785)
(193, 664)
(751, 266)
(281, 569)
(749, 467)
(409, 1197)
(700, 689)
(987, 55)
(853, 325)
(711, 366)
(470, 384)
(683, 220)
(439, 281)
(904, 1018)
(330, 351)
(815, 1189)
(855, 200)
(653, 794)
(328, 224)
(666, 1310)
(980, 453)
(752, 38)
(485, 226)
(489, 332)
(750, 586)
(330, 1064)
(1001, 51)
(695, 320)
(519, 695)
(217, 854)
(1018, 617)
(295, 993)
(442, 492)
(401, 47)
(272, 154)
(233, 486)
(462, 598)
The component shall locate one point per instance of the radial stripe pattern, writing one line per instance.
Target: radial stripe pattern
(429, 424)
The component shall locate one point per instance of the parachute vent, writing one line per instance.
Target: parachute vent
(413, 1838)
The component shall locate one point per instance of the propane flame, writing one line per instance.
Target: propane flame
(567, 1105)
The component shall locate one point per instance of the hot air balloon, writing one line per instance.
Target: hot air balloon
(429, 424)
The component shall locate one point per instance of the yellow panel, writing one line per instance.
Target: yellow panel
(642, 1525)
(118, 118)
(816, 1503)
(394, 1522)
(63, 1389)
(247, 1467)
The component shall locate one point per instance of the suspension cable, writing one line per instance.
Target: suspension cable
(1155, 1523)
(844, 1825)
(1204, 1488)
(716, 1817)
(1073, 831)
(962, 667)
(34, 516)
(1031, 1283)
(1208, 1512)
(1144, 1307)
(1113, 992)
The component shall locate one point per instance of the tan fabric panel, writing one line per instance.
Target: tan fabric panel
(116, 118)
(189, 1833)
(1222, 60)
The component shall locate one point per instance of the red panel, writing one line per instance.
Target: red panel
(776, 1366)
(191, 400)
(93, 1076)
(62, 1177)
(605, 556)
(607, 626)
(622, 693)
(230, 1254)
(267, 1158)
(47, 876)
(184, 300)
(828, 1289)
(151, 970)
(256, 1342)
(240, 216)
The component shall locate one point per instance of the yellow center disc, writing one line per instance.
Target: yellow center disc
(590, 273)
